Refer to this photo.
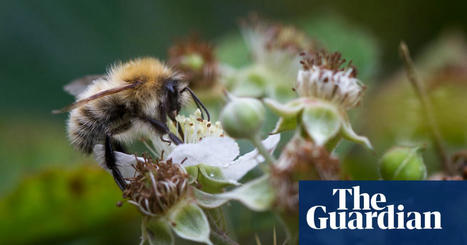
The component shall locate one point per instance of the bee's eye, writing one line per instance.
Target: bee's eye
(171, 86)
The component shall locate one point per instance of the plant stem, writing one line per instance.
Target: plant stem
(256, 140)
(290, 223)
(426, 108)
(222, 237)
(218, 225)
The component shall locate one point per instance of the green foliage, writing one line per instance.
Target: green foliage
(57, 204)
(232, 50)
(28, 145)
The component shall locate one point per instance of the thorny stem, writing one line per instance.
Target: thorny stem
(256, 140)
(223, 237)
(426, 108)
(217, 231)
(290, 224)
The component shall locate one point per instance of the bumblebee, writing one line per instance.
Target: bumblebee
(133, 99)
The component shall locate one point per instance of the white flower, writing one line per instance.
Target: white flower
(205, 144)
(194, 129)
(206, 150)
(222, 152)
(322, 77)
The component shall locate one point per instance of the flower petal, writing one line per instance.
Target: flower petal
(124, 162)
(237, 169)
(212, 151)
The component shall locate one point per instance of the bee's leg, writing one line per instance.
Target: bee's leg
(163, 129)
(111, 163)
(180, 131)
(118, 147)
(179, 128)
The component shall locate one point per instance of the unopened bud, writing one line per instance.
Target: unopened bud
(193, 61)
(403, 163)
(242, 117)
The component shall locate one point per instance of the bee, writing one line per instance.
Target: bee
(133, 99)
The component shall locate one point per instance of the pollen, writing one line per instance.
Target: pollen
(195, 128)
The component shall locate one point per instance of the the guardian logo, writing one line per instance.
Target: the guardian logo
(368, 213)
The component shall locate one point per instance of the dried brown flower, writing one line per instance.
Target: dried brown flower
(157, 186)
(325, 60)
(301, 160)
(196, 59)
(324, 75)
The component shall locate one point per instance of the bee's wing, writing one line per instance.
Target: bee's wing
(77, 86)
(97, 96)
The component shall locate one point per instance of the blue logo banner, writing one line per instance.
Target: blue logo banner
(383, 212)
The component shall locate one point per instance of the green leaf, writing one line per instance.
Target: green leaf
(193, 173)
(284, 124)
(212, 180)
(290, 109)
(189, 222)
(322, 123)
(349, 134)
(257, 195)
(208, 200)
(156, 231)
(288, 113)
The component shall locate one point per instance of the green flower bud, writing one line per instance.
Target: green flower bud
(193, 61)
(242, 117)
(403, 163)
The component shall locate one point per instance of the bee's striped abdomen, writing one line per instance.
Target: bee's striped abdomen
(86, 129)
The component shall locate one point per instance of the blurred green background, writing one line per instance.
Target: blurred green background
(50, 194)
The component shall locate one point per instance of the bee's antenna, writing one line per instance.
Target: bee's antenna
(198, 103)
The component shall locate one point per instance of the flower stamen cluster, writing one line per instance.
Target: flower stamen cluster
(157, 186)
(325, 76)
(195, 128)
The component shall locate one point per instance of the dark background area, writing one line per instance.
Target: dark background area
(45, 44)
(50, 194)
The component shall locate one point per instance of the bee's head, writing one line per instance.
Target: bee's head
(172, 97)
(176, 93)
(159, 86)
